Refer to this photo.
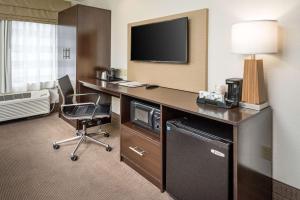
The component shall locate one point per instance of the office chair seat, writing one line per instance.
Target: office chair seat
(87, 111)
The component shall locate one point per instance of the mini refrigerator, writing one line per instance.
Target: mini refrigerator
(198, 161)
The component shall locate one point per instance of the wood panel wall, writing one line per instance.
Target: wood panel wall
(189, 77)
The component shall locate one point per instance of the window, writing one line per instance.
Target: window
(33, 54)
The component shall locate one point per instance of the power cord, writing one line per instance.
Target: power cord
(54, 104)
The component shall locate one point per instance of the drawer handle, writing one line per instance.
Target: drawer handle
(137, 151)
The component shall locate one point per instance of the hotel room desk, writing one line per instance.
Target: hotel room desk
(251, 134)
(177, 99)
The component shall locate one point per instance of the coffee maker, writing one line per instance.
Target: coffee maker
(234, 93)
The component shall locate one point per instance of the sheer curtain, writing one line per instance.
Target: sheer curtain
(33, 55)
(5, 67)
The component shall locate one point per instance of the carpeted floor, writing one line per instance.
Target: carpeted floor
(31, 169)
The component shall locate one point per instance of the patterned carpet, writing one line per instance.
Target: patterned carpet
(31, 170)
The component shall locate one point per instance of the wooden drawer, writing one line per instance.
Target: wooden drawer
(142, 151)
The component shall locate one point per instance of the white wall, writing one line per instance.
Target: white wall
(282, 71)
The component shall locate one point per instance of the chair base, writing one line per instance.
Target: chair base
(82, 136)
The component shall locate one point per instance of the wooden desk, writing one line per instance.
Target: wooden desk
(177, 99)
(251, 135)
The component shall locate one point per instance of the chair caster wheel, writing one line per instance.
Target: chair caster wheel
(55, 146)
(74, 157)
(108, 148)
(106, 134)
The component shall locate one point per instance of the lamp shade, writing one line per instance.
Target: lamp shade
(255, 37)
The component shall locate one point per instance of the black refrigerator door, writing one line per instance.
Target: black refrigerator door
(197, 168)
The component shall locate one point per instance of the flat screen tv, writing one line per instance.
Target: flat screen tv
(161, 42)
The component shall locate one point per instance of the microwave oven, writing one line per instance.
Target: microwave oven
(145, 115)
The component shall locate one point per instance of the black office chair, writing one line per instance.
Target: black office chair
(84, 112)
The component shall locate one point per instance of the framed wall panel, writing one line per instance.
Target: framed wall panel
(189, 77)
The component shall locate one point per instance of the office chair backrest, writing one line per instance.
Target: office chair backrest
(65, 88)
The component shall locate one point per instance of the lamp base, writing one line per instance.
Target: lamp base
(253, 82)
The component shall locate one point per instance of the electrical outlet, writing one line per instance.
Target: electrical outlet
(266, 153)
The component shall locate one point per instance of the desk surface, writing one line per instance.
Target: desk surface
(177, 99)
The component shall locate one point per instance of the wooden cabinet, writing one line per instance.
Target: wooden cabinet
(140, 147)
(143, 152)
(250, 132)
(84, 35)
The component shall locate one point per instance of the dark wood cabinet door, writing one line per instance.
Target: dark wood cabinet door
(93, 40)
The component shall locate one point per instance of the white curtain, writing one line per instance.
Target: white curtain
(5, 64)
(33, 55)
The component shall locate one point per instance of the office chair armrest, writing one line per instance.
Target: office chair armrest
(75, 104)
(87, 94)
(83, 94)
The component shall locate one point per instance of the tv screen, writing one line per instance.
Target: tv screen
(161, 42)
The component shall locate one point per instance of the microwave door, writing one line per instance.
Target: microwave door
(143, 116)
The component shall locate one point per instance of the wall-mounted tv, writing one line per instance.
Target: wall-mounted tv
(165, 41)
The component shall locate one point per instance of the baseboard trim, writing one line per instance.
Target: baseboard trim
(282, 191)
(115, 116)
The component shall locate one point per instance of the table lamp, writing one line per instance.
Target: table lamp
(251, 38)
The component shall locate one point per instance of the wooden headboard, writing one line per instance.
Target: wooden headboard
(189, 77)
